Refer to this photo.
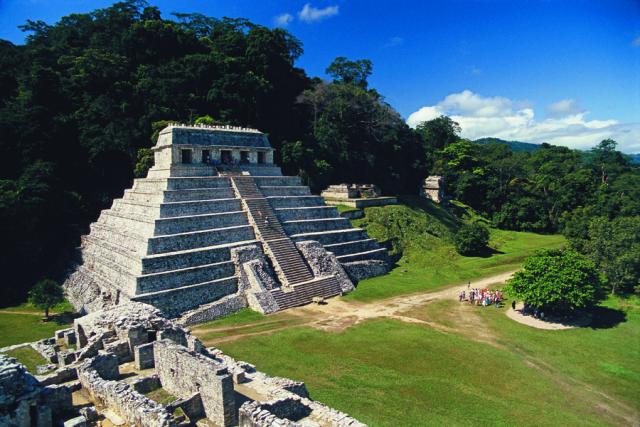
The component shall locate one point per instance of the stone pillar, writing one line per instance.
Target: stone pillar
(143, 355)
(253, 156)
(235, 155)
(268, 157)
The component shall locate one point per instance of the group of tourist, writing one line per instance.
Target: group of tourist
(483, 297)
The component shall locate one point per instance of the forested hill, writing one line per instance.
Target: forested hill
(514, 145)
(81, 99)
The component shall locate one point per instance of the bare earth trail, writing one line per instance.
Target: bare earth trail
(461, 319)
(339, 314)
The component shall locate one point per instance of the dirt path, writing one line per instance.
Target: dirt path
(339, 314)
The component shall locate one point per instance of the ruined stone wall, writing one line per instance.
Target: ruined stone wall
(134, 407)
(324, 263)
(184, 373)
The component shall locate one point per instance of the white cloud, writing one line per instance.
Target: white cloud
(394, 41)
(312, 14)
(283, 20)
(504, 118)
(563, 108)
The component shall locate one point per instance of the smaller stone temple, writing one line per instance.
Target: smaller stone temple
(433, 188)
(356, 195)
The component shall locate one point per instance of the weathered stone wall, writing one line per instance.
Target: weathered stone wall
(134, 407)
(184, 373)
(360, 270)
(324, 263)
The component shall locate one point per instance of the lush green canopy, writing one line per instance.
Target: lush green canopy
(557, 281)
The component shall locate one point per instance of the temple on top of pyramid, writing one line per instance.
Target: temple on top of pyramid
(215, 227)
(206, 150)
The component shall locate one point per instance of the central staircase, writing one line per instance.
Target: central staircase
(300, 285)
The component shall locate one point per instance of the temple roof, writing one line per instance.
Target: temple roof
(225, 136)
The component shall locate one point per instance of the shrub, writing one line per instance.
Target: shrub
(471, 238)
(557, 281)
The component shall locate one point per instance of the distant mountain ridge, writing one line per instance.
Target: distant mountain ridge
(530, 147)
(514, 145)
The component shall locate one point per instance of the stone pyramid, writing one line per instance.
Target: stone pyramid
(216, 227)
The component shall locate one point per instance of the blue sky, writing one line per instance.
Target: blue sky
(567, 72)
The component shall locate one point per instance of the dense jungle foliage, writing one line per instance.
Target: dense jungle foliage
(80, 100)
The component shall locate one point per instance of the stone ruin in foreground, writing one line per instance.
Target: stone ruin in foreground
(127, 353)
(215, 227)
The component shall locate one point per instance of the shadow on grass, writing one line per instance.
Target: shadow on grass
(488, 252)
(62, 318)
(605, 317)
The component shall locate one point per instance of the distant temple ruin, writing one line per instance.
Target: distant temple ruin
(433, 188)
(356, 195)
(215, 227)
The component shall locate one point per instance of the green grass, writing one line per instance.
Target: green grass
(389, 373)
(18, 328)
(63, 307)
(421, 232)
(423, 269)
(241, 317)
(345, 208)
(28, 357)
(161, 396)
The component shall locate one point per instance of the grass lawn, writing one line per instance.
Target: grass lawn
(440, 265)
(161, 396)
(24, 323)
(28, 357)
(389, 373)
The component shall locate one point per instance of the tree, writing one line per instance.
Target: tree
(45, 294)
(614, 247)
(350, 72)
(559, 281)
(471, 238)
(438, 133)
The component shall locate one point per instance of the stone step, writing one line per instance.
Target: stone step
(155, 282)
(278, 202)
(316, 225)
(183, 224)
(314, 212)
(331, 237)
(131, 208)
(173, 302)
(353, 247)
(277, 180)
(149, 185)
(374, 254)
(197, 183)
(140, 223)
(282, 190)
(116, 275)
(125, 238)
(190, 258)
(176, 209)
(305, 292)
(198, 194)
(106, 250)
(198, 239)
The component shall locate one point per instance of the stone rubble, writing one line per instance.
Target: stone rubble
(204, 383)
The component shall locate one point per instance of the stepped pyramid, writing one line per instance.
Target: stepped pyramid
(216, 227)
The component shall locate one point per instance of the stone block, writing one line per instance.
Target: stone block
(80, 421)
(90, 413)
(69, 337)
(106, 365)
(121, 349)
(44, 417)
(143, 356)
(66, 358)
